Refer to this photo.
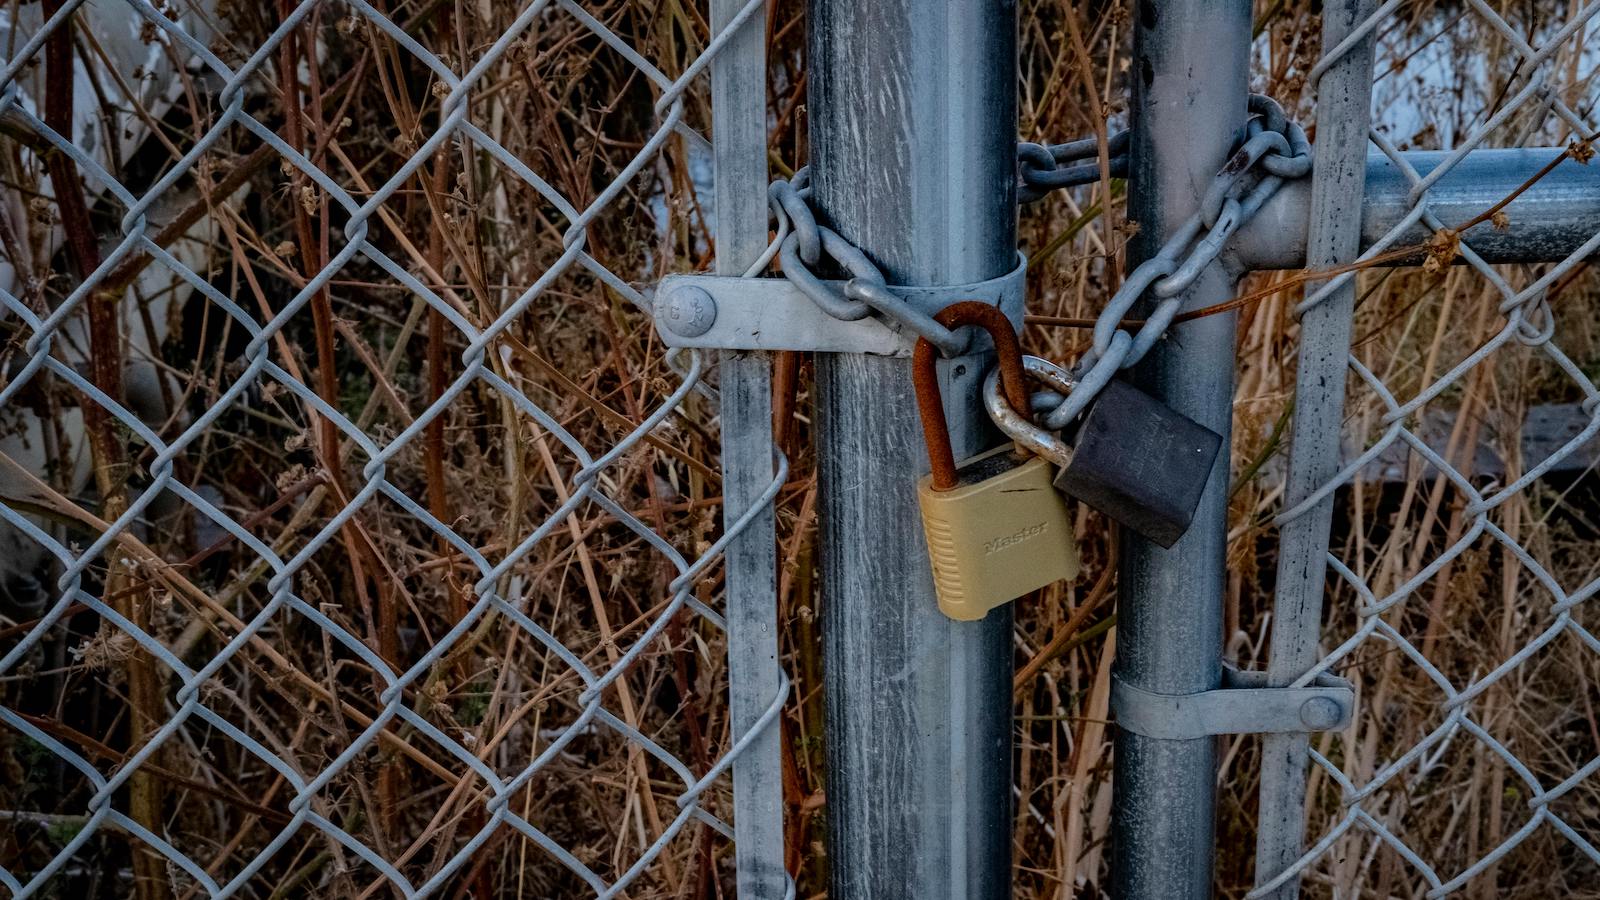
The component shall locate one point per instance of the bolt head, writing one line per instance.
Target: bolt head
(688, 311)
(1320, 713)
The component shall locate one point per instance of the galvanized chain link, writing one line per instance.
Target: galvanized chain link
(394, 704)
(802, 242)
(1272, 149)
(1042, 168)
(801, 245)
(1376, 793)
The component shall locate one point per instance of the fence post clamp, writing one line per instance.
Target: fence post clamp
(726, 313)
(1244, 704)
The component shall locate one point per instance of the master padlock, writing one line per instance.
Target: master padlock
(996, 527)
(1132, 457)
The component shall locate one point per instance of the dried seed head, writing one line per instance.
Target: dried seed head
(104, 650)
(1442, 251)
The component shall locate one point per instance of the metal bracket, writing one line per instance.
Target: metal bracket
(1243, 705)
(724, 313)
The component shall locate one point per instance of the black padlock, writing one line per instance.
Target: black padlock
(1132, 457)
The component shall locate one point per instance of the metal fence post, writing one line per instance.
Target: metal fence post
(1190, 77)
(1344, 99)
(913, 149)
(739, 134)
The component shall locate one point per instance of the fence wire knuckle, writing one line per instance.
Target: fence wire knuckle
(1374, 612)
(201, 691)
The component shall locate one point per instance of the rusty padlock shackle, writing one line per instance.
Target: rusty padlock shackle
(1020, 427)
(930, 404)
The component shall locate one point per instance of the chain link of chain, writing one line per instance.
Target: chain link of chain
(1273, 150)
(1041, 168)
(802, 242)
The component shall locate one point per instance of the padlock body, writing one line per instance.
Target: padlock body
(1001, 532)
(1140, 462)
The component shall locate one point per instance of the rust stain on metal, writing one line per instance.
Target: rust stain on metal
(930, 404)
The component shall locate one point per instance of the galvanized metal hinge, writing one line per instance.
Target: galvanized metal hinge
(1243, 705)
(727, 313)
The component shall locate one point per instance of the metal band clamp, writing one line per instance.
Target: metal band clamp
(1243, 705)
(727, 313)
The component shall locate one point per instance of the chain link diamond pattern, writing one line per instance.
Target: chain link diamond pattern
(1386, 779)
(396, 720)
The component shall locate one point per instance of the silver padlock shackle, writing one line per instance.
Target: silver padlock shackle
(1019, 428)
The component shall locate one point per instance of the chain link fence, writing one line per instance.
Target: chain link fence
(1460, 563)
(350, 506)
(359, 535)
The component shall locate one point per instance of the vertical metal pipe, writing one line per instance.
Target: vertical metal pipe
(1344, 106)
(913, 145)
(1191, 62)
(739, 132)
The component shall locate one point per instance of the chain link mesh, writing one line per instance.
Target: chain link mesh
(271, 627)
(1459, 594)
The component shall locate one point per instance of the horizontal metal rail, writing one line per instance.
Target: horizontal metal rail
(1547, 222)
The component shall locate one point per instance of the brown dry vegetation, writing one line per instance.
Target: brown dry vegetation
(576, 112)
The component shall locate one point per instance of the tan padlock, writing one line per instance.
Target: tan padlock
(996, 526)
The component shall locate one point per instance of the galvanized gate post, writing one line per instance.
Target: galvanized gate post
(1190, 92)
(913, 148)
